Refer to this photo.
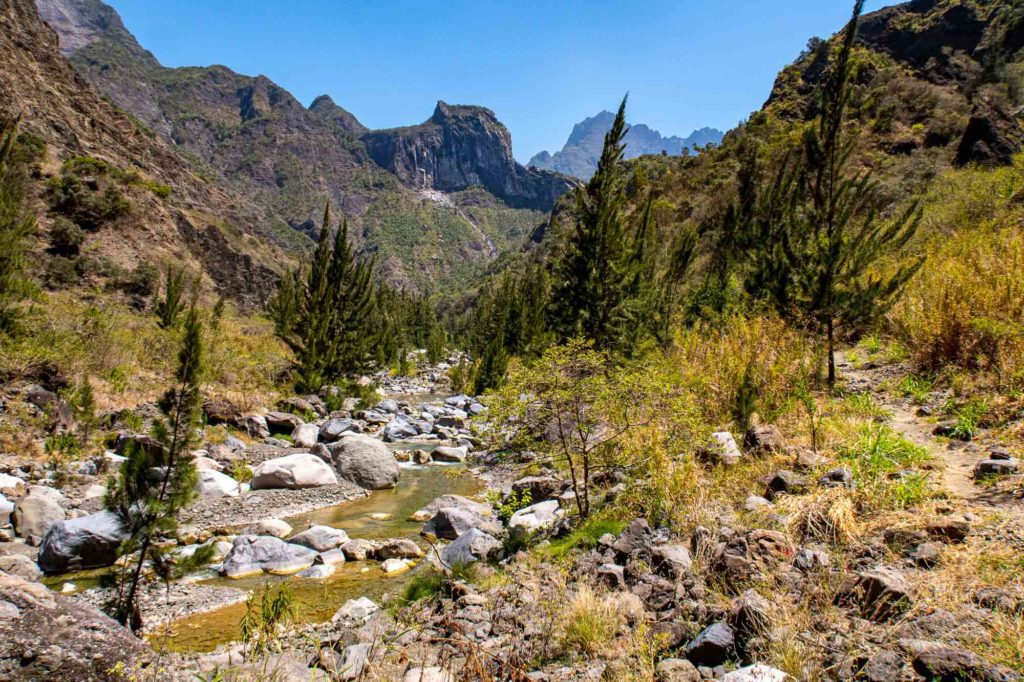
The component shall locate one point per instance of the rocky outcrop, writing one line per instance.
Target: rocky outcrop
(459, 147)
(47, 636)
(992, 138)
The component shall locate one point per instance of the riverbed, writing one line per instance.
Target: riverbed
(380, 515)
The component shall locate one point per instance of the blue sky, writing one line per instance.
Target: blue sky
(540, 65)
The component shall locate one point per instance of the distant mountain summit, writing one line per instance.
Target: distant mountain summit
(583, 148)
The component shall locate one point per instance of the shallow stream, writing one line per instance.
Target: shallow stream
(382, 514)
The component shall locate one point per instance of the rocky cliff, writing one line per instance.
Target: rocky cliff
(252, 135)
(459, 147)
(579, 156)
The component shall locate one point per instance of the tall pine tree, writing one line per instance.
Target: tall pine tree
(592, 270)
(821, 236)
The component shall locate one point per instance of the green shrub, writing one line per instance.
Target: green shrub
(66, 237)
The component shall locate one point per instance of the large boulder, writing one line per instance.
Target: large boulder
(400, 428)
(20, 565)
(446, 501)
(355, 612)
(301, 470)
(540, 516)
(397, 548)
(365, 461)
(449, 454)
(212, 483)
(991, 138)
(37, 511)
(253, 554)
(282, 422)
(305, 435)
(473, 545)
(332, 429)
(47, 636)
(320, 538)
(449, 523)
(86, 542)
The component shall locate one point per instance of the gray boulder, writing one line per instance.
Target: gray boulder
(332, 429)
(398, 548)
(449, 454)
(320, 538)
(305, 435)
(756, 673)
(366, 462)
(450, 523)
(253, 554)
(86, 542)
(538, 516)
(473, 545)
(212, 483)
(713, 646)
(355, 612)
(37, 511)
(301, 470)
(445, 501)
(282, 422)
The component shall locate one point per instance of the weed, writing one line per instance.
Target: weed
(917, 387)
(590, 622)
(968, 420)
(513, 503)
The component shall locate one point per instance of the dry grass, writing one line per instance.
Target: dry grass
(591, 622)
(829, 516)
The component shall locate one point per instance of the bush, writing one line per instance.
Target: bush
(61, 272)
(590, 623)
(66, 237)
(141, 281)
(86, 193)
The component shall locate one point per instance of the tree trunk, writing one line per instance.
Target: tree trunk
(831, 356)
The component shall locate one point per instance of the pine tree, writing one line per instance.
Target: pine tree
(591, 273)
(330, 318)
(148, 508)
(829, 234)
(16, 227)
(169, 308)
(84, 408)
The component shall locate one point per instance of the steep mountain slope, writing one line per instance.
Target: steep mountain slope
(288, 159)
(578, 157)
(172, 214)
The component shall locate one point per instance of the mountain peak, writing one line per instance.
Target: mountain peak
(583, 148)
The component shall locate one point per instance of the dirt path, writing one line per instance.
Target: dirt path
(956, 459)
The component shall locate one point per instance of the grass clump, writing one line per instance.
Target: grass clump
(590, 622)
(883, 465)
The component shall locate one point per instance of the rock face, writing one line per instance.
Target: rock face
(301, 470)
(462, 146)
(579, 156)
(86, 542)
(252, 554)
(46, 636)
(992, 138)
(366, 462)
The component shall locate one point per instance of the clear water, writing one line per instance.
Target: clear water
(317, 600)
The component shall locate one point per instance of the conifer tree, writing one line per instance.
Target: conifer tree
(16, 226)
(591, 272)
(827, 232)
(328, 317)
(169, 308)
(147, 506)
